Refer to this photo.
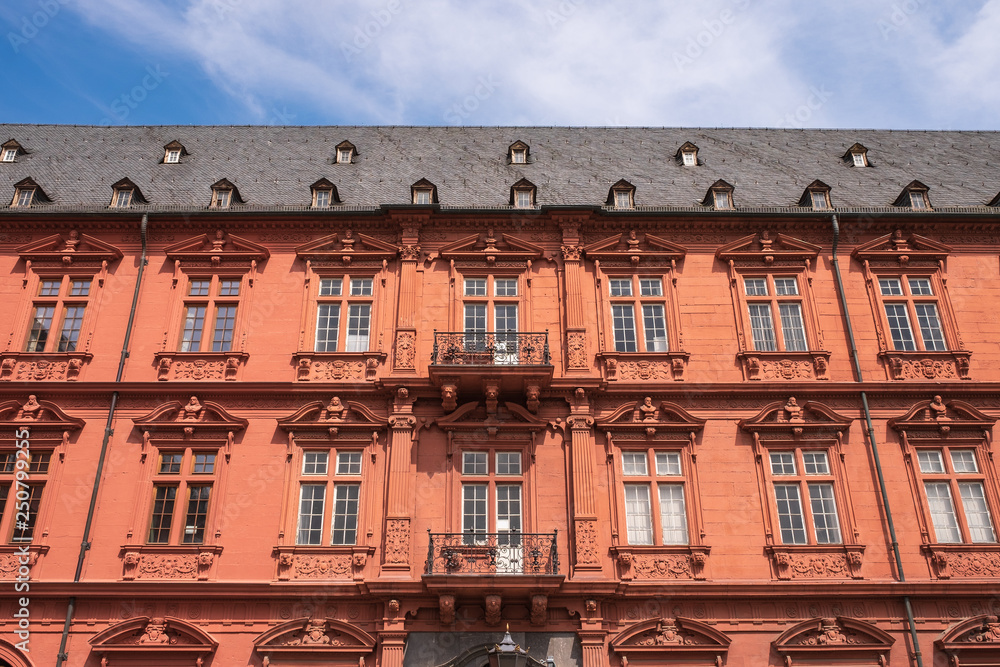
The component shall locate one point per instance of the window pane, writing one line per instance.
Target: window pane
(930, 326)
(815, 463)
(762, 327)
(323, 198)
(24, 531)
(475, 287)
(786, 287)
(473, 510)
(623, 321)
(163, 512)
(331, 286)
(508, 508)
(920, 287)
(824, 513)
(199, 287)
(623, 198)
(638, 520)
(194, 323)
(755, 286)
(70, 334)
(963, 460)
(315, 463)
(345, 513)
(899, 326)
(818, 199)
(890, 286)
(668, 463)
(783, 463)
(505, 287)
(203, 463)
(508, 463)
(689, 160)
(229, 287)
(721, 199)
(790, 522)
(41, 322)
(673, 517)
(49, 288)
(650, 287)
(39, 463)
(361, 286)
(792, 327)
(655, 326)
(79, 288)
(474, 463)
(358, 323)
(197, 513)
(620, 286)
(327, 327)
(523, 198)
(225, 321)
(859, 159)
(312, 498)
(475, 317)
(634, 463)
(170, 464)
(977, 513)
(942, 512)
(930, 461)
(348, 463)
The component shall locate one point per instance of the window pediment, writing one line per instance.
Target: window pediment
(658, 638)
(977, 637)
(488, 250)
(518, 153)
(848, 639)
(222, 250)
(317, 639)
(903, 251)
(74, 249)
(529, 200)
(633, 250)
(760, 249)
(336, 419)
(39, 196)
(347, 248)
(225, 185)
(936, 418)
(45, 421)
(663, 417)
(127, 184)
(479, 419)
(144, 638)
(914, 195)
(779, 421)
(176, 421)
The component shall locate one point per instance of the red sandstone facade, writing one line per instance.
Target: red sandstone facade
(389, 434)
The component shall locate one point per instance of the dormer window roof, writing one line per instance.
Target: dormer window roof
(687, 155)
(719, 196)
(125, 194)
(816, 196)
(324, 194)
(857, 156)
(10, 150)
(424, 192)
(522, 194)
(518, 153)
(225, 194)
(173, 152)
(28, 193)
(914, 196)
(995, 201)
(345, 152)
(621, 195)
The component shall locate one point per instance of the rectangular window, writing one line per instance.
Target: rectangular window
(24, 531)
(668, 463)
(344, 155)
(930, 326)
(312, 502)
(818, 199)
(316, 483)
(508, 463)
(913, 301)
(315, 463)
(655, 324)
(345, 513)
(163, 512)
(327, 326)
(25, 196)
(196, 515)
(620, 287)
(123, 198)
(673, 515)
(203, 463)
(475, 463)
(421, 196)
(9, 154)
(792, 327)
(899, 327)
(41, 323)
(859, 159)
(523, 198)
(689, 159)
(358, 323)
(19, 520)
(323, 198)
(475, 287)
(634, 463)
(623, 321)
(505, 287)
(786, 304)
(824, 514)
(793, 530)
(762, 327)
(492, 502)
(805, 501)
(203, 312)
(637, 514)
(663, 485)
(354, 328)
(225, 322)
(721, 198)
(950, 474)
(348, 463)
(181, 493)
(65, 298)
(650, 306)
(942, 512)
(173, 156)
(474, 518)
(623, 199)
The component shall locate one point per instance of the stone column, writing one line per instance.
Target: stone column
(576, 330)
(405, 348)
(397, 543)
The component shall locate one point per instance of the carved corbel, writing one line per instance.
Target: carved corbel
(539, 609)
(493, 606)
(446, 609)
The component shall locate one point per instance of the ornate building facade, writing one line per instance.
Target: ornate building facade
(378, 396)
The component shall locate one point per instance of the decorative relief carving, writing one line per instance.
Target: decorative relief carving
(662, 563)
(406, 342)
(948, 562)
(11, 562)
(327, 367)
(539, 609)
(576, 349)
(639, 367)
(785, 366)
(927, 365)
(493, 606)
(397, 541)
(446, 609)
(199, 366)
(308, 566)
(811, 563)
(586, 542)
(23, 367)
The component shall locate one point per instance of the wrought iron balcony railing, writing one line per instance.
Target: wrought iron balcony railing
(511, 348)
(492, 553)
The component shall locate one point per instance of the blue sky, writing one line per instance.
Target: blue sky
(907, 64)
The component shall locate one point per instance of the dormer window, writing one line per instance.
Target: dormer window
(914, 196)
(324, 194)
(224, 194)
(720, 196)
(857, 155)
(10, 150)
(173, 152)
(126, 194)
(522, 194)
(9, 154)
(687, 154)
(423, 192)
(621, 195)
(28, 193)
(817, 196)
(123, 198)
(345, 152)
(517, 153)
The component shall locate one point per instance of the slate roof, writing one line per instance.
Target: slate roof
(273, 167)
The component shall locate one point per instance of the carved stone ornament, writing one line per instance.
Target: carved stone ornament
(650, 419)
(637, 563)
(817, 561)
(71, 251)
(785, 366)
(539, 609)
(300, 563)
(335, 418)
(762, 250)
(963, 561)
(669, 640)
(487, 250)
(635, 250)
(973, 641)
(643, 366)
(506, 420)
(218, 250)
(811, 420)
(925, 366)
(37, 367)
(43, 422)
(153, 640)
(12, 559)
(492, 606)
(446, 609)
(214, 366)
(325, 640)
(191, 420)
(576, 350)
(937, 417)
(586, 541)
(348, 248)
(838, 639)
(397, 541)
(406, 344)
(337, 366)
(162, 562)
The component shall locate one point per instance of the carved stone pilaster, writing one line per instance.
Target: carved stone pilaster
(576, 350)
(397, 542)
(585, 531)
(406, 346)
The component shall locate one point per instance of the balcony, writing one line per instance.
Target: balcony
(515, 357)
(506, 554)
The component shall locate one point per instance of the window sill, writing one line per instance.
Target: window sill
(340, 562)
(926, 365)
(40, 366)
(963, 560)
(199, 365)
(643, 366)
(11, 555)
(661, 562)
(816, 561)
(785, 366)
(165, 561)
(327, 366)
